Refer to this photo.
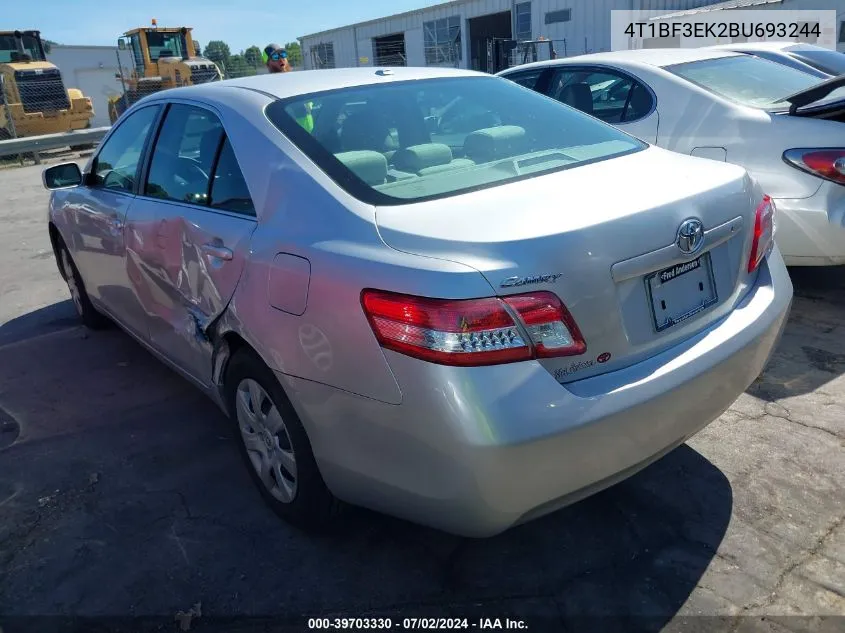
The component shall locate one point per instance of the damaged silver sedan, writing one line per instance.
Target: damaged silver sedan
(425, 291)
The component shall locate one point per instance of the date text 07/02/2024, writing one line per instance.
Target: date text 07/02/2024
(428, 624)
(722, 29)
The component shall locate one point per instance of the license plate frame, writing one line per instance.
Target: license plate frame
(663, 285)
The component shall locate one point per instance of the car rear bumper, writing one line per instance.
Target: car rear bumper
(811, 231)
(476, 451)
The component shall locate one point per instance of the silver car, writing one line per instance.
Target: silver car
(429, 292)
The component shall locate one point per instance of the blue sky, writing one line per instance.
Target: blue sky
(100, 22)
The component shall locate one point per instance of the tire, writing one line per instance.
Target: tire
(276, 445)
(88, 314)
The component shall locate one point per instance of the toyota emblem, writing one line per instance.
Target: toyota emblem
(690, 236)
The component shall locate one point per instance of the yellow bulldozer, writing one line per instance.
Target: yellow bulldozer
(162, 58)
(33, 97)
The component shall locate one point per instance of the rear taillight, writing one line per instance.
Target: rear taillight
(473, 332)
(826, 163)
(764, 233)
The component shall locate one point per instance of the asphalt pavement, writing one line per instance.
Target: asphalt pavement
(122, 495)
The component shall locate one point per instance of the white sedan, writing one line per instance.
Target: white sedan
(786, 127)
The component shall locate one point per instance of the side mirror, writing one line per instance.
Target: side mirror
(62, 176)
(121, 44)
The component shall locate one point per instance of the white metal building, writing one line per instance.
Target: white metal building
(92, 69)
(458, 33)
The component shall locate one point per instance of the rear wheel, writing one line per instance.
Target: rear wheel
(89, 315)
(275, 446)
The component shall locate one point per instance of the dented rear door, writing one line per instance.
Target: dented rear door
(202, 255)
(189, 236)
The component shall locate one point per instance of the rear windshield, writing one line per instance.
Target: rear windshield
(749, 80)
(831, 62)
(409, 141)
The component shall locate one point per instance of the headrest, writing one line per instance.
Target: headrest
(371, 167)
(483, 146)
(418, 157)
(640, 102)
(579, 96)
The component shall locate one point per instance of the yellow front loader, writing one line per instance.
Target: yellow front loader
(162, 58)
(33, 97)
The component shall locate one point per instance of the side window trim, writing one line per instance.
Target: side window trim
(622, 74)
(212, 173)
(88, 176)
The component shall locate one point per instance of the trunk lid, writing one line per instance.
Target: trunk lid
(593, 235)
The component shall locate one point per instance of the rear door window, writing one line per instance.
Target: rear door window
(606, 95)
(194, 162)
(184, 154)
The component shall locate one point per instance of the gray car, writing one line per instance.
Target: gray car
(429, 292)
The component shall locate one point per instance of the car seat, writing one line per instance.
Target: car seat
(578, 96)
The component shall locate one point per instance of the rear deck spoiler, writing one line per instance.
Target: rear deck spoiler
(816, 93)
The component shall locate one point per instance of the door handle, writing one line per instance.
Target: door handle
(215, 250)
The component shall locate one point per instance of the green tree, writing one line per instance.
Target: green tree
(238, 67)
(218, 52)
(48, 45)
(294, 53)
(252, 55)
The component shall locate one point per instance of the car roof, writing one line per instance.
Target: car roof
(758, 46)
(300, 82)
(658, 57)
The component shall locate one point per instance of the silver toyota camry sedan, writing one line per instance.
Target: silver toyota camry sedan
(429, 292)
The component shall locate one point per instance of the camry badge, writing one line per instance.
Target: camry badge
(510, 282)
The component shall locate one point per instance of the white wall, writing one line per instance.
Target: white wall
(817, 5)
(92, 69)
(587, 31)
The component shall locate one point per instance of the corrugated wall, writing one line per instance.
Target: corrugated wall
(587, 31)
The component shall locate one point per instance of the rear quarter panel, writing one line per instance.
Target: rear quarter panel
(304, 214)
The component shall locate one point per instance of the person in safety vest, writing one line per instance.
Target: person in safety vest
(276, 59)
